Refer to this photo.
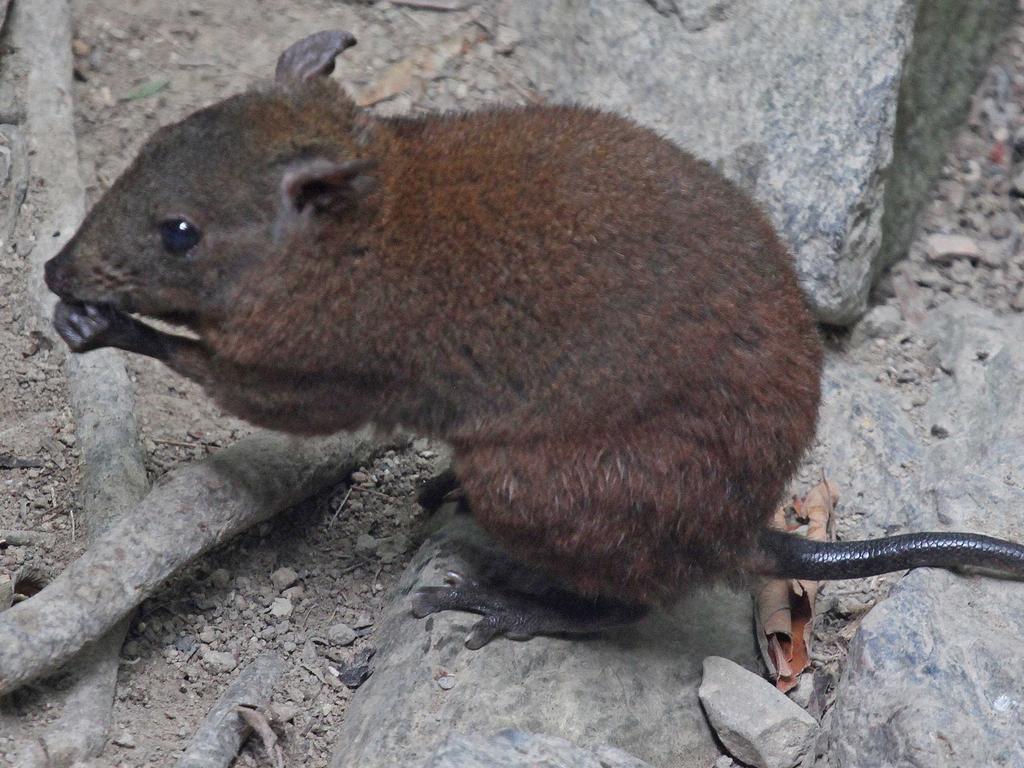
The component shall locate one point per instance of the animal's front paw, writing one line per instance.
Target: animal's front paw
(86, 326)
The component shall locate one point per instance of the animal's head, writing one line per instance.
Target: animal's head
(211, 195)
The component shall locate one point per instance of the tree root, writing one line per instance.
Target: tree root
(190, 510)
(113, 474)
(235, 716)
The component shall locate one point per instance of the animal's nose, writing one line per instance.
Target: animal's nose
(56, 277)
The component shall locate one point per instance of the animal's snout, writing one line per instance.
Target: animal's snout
(56, 276)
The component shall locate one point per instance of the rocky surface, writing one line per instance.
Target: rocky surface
(797, 102)
(635, 688)
(518, 749)
(753, 719)
(922, 686)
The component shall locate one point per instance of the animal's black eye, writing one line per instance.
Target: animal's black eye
(179, 235)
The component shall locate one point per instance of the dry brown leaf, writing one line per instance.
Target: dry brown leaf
(424, 64)
(785, 607)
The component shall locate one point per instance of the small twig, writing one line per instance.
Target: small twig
(375, 493)
(177, 443)
(349, 569)
(340, 507)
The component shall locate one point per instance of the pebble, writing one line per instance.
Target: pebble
(283, 712)
(962, 272)
(365, 544)
(940, 431)
(341, 634)
(882, 321)
(294, 593)
(944, 249)
(219, 662)
(1017, 302)
(208, 635)
(220, 578)
(283, 578)
(281, 608)
(1017, 183)
(132, 649)
(506, 39)
(755, 722)
(446, 682)
(124, 739)
(1002, 226)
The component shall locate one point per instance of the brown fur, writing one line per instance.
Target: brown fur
(609, 333)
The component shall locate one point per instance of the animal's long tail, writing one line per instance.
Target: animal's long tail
(793, 556)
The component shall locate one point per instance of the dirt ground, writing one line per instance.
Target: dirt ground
(143, 67)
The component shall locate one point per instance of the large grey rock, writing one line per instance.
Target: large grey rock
(634, 689)
(869, 447)
(935, 674)
(935, 678)
(518, 749)
(756, 722)
(795, 101)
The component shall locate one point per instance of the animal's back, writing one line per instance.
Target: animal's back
(635, 368)
(580, 266)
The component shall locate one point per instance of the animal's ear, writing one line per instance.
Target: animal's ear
(324, 184)
(312, 56)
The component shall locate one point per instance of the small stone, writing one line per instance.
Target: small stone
(446, 682)
(1017, 182)
(882, 321)
(360, 477)
(754, 720)
(1002, 226)
(283, 712)
(124, 739)
(294, 593)
(132, 649)
(940, 431)
(340, 634)
(220, 578)
(281, 608)
(208, 635)
(506, 39)
(283, 578)
(944, 249)
(1017, 302)
(724, 762)
(365, 544)
(219, 662)
(79, 47)
(961, 271)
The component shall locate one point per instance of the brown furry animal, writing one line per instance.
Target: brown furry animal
(608, 332)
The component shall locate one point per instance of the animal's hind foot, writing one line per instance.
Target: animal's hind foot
(520, 616)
